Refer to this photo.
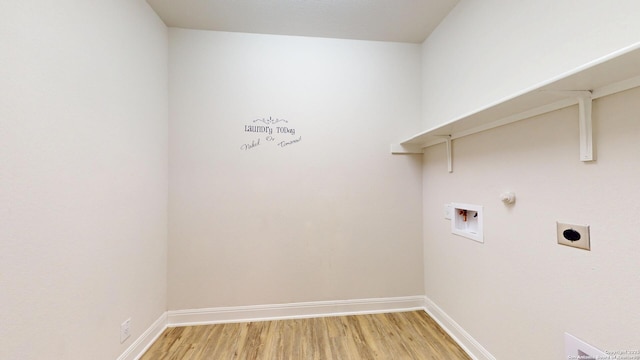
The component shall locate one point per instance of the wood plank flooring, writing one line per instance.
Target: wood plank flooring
(407, 335)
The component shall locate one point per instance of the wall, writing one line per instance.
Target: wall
(520, 291)
(333, 216)
(486, 51)
(83, 176)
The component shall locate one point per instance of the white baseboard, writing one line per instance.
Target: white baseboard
(293, 311)
(237, 314)
(137, 349)
(459, 335)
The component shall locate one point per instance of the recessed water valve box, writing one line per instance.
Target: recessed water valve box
(467, 221)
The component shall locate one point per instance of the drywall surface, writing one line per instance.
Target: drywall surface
(520, 291)
(487, 51)
(321, 211)
(83, 176)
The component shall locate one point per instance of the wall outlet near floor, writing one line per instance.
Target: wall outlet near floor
(578, 349)
(125, 330)
(576, 236)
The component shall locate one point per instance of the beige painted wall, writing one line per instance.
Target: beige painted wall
(334, 216)
(83, 176)
(519, 291)
(490, 50)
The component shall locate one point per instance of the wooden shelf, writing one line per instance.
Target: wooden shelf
(608, 75)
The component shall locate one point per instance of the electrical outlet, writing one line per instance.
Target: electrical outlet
(576, 236)
(448, 210)
(577, 349)
(125, 330)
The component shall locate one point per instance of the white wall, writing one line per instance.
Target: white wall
(83, 176)
(519, 291)
(334, 216)
(485, 51)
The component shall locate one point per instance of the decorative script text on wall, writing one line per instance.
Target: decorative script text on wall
(270, 132)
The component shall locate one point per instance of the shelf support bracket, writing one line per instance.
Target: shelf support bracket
(586, 127)
(447, 140)
(585, 101)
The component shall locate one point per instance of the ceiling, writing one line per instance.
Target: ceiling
(379, 20)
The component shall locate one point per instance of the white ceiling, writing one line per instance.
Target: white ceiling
(381, 20)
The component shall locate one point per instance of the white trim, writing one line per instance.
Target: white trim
(459, 335)
(293, 311)
(302, 310)
(138, 348)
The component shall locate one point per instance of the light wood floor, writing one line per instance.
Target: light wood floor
(408, 335)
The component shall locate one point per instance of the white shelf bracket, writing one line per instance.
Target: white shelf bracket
(447, 140)
(585, 100)
(586, 127)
